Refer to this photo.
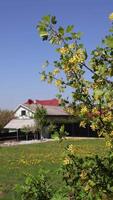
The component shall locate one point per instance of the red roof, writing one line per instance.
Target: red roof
(50, 102)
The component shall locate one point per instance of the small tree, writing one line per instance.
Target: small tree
(40, 118)
(27, 129)
(5, 117)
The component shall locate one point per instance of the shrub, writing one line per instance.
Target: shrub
(90, 177)
(35, 188)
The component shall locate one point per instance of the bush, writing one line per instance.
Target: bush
(35, 188)
(88, 178)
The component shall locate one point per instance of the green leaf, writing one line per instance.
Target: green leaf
(53, 20)
(111, 189)
(46, 18)
(68, 38)
(69, 28)
(74, 35)
(111, 72)
(61, 30)
(43, 34)
(98, 93)
(42, 31)
(109, 41)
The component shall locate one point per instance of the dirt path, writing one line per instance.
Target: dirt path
(15, 143)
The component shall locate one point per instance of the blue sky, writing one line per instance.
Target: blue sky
(22, 52)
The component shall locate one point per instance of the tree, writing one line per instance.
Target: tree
(93, 95)
(40, 118)
(5, 117)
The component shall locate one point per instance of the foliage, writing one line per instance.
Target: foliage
(27, 129)
(40, 117)
(51, 128)
(61, 133)
(57, 132)
(5, 117)
(35, 188)
(90, 177)
(93, 95)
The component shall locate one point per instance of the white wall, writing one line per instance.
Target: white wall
(28, 115)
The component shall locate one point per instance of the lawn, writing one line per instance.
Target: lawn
(16, 161)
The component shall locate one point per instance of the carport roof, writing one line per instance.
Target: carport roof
(19, 123)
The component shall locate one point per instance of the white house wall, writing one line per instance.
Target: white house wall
(28, 115)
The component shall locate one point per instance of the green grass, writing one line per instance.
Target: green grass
(16, 161)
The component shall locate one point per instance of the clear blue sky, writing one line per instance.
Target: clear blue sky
(22, 52)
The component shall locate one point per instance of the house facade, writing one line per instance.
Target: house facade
(24, 115)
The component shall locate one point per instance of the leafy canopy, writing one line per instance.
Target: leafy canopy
(93, 95)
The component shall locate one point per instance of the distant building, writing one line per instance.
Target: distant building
(55, 113)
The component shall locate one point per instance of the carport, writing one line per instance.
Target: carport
(18, 124)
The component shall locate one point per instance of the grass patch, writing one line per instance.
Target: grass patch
(16, 161)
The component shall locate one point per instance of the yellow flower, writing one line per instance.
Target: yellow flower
(58, 83)
(95, 111)
(72, 46)
(73, 60)
(109, 144)
(84, 110)
(70, 110)
(71, 149)
(66, 161)
(83, 175)
(63, 50)
(111, 16)
(83, 124)
(93, 127)
(43, 77)
(108, 117)
(87, 188)
(79, 57)
(55, 71)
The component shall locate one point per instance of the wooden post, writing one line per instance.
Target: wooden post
(17, 135)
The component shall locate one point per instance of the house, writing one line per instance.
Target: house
(55, 113)
(23, 114)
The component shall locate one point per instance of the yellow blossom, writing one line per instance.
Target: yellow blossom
(72, 46)
(111, 16)
(43, 77)
(73, 60)
(84, 110)
(55, 71)
(70, 110)
(78, 57)
(93, 127)
(95, 111)
(87, 188)
(83, 175)
(63, 50)
(109, 144)
(83, 124)
(108, 117)
(66, 161)
(71, 149)
(58, 83)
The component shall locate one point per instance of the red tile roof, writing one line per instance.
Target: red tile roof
(50, 102)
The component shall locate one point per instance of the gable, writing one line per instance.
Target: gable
(23, 112)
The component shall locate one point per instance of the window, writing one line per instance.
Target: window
(23, 113)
